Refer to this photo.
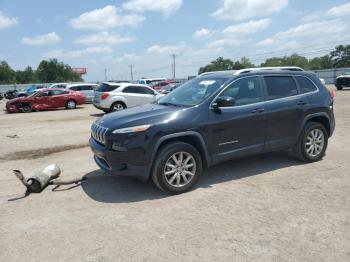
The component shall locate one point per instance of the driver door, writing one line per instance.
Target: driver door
(240, 129)
(42, 101)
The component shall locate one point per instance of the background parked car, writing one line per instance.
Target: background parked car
(343, 81)
(87, 89)
(59, 85)
(169, 88)
(49, 98)
(111, 97)
(149, 81)
(158, 85)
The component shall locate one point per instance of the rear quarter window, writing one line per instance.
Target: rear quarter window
(280, 87)
(305, 84)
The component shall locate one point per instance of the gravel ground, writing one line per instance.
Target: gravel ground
(262, 208)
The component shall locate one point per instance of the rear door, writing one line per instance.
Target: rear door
(138, 95)
(284, 109)
(88, 91)
(58, 98)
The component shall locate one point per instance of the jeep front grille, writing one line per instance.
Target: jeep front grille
(99, 133)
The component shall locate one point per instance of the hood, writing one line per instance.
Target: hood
(18, 99)
(145, 114)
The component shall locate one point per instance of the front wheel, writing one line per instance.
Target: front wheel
(26, 108)
(312, 143)
(177, 168)
(71, 104)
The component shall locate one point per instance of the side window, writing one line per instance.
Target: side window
(86, 88)
(245, 91)
(305, 84)
(145, 90)
(131, 89)
(280, 86)
(58, 92)
(75, 88)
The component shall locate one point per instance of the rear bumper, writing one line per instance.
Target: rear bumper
(116, 163)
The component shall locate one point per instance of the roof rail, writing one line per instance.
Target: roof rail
(247, 70)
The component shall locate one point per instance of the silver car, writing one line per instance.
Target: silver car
(86, 88)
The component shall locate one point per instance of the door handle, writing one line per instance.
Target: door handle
(258, 110)
(301, 103)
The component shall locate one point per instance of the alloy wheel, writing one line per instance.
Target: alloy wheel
(314, 142)
(180, 168)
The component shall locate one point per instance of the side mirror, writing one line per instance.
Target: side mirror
(223, 101)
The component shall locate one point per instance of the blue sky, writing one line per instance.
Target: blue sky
(114, 34)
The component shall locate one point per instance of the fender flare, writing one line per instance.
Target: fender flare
(183, 134)
(308, 117)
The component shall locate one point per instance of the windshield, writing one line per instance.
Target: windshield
(193, 92)
(34, 94)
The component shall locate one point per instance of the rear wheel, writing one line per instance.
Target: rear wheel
(71, 104)
(177, 168)
(312, 143)
(339, 88)
(117, 106)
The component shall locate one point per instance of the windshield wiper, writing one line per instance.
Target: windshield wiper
(168, 104)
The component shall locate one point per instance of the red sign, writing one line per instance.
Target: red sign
(79, 70)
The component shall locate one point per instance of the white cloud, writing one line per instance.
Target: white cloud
(6, 22)
(57, 53)
(202, 33)
(250, 27)
(105, 18)
(49, 38)
(340, 10)
(104, 38)
(266, 42)
(165, 6)
(225, 42)
(245, 9)
(166, 50)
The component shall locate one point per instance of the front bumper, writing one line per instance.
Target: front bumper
(118, 163)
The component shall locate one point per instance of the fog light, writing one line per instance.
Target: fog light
(119, 147)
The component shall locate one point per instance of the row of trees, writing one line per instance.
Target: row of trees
(48, 71)
(338, 58)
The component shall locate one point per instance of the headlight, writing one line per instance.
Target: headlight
(134, 129)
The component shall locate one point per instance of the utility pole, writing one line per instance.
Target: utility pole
(131, 73)
(174, 72)
(105, 74)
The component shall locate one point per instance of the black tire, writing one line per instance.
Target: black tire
(71, 104)
(114, 106)
(26, 108)
(300, 149)
(164, 155)
(339, 88)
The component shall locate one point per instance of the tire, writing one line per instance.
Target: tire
(313, 135)
(71, 104)
(174, 182)
(339, 88)
(26, 108)
(117, 106)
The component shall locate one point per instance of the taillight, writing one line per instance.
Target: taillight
(331, 92)
(104, 96)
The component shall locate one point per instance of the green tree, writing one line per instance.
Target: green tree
(27, 76)
(292, 60)
(7, 75)
(54, 71)
(222, 64)
(219, 64)
(341, 56)
(323, 62)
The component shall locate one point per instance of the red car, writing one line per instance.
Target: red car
(160, 84)
(49, 98)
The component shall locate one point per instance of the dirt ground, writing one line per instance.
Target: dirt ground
(262, 208)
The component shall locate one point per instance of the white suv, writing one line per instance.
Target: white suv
(111, 97)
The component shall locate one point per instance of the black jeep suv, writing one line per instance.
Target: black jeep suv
(213, 118)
